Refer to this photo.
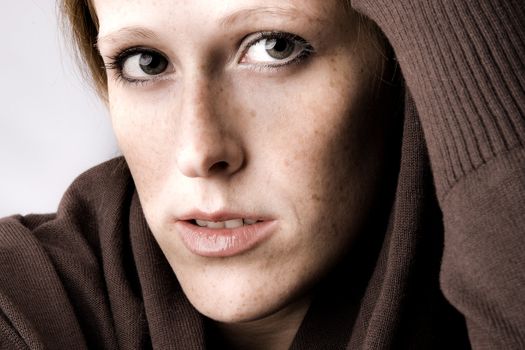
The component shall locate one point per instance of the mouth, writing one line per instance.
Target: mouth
(223, 238)
(234, 223)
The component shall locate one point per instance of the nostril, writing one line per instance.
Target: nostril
(210, 159)
(219, 166)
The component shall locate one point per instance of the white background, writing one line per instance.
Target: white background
(52, 126)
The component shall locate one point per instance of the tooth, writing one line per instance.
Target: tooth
(249, 221)
(215, 224)
(233, 223)
(202, 223)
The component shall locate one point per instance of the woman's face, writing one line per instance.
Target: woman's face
(256, 118)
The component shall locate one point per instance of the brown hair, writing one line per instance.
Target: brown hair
(80, 25)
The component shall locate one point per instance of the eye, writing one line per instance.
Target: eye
(275, 49)
(139, 64)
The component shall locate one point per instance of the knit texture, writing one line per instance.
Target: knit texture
(440, 265)
(463, 63)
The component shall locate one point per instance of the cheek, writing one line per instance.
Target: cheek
(328, 155)
(312, 137)
(141, 129)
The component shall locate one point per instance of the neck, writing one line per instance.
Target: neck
(275, 331)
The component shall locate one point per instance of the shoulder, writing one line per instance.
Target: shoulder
(88, 199)
(91, 201)
(47, 262)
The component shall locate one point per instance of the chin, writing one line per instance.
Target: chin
(236, 297)
(237, 312)
(228, 309)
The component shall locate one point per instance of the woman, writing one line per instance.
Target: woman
(282, 186)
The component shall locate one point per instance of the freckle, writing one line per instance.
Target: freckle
(253, 114)
(315, 197)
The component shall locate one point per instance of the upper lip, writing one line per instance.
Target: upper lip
(219, 216)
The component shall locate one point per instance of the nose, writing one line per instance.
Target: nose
(207, 141)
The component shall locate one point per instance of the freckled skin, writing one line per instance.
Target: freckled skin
(302, 145)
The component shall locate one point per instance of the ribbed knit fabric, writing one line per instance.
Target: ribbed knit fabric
(463, 62)
(440, 266)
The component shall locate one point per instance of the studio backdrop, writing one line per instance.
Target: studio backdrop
(52, 126)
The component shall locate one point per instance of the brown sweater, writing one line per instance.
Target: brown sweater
(445, 270)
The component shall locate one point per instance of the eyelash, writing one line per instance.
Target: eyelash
(307, 51)
(117, 61)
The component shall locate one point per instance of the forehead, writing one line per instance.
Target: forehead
(114, 14)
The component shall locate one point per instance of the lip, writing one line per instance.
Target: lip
(220, 216)
(225, 242)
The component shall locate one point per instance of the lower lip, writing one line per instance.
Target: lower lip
(225, 242)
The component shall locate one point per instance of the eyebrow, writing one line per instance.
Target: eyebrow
(247, 13)
(131, 32)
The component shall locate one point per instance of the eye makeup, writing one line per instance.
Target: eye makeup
(261, 51)
(142, 58)
(282, 49)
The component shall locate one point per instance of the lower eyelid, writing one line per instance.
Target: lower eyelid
(265, 68)
(153, 80)
(302, 55)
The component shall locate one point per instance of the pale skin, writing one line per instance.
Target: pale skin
(222, 127)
